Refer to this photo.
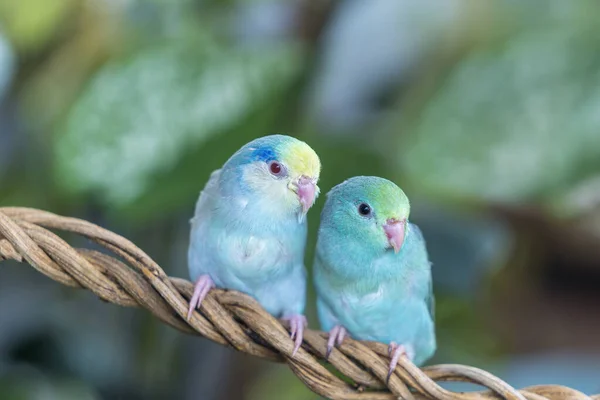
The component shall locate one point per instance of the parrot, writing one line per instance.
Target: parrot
(249, 228)
(371, 271)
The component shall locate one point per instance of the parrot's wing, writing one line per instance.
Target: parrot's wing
(323, 289)
(210, 189)
(430, 298)
(416, 231)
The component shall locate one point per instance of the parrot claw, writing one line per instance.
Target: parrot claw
(297, 325)
(395, 351)
(336, 336)
(201, 289)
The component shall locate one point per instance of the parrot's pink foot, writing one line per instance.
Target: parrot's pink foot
(203, 286)
(336, 336)
(297, 325)
(395, 351)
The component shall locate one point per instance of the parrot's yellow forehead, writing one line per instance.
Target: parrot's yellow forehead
(301, 159)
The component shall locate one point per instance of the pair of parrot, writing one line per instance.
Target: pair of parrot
(371, 271)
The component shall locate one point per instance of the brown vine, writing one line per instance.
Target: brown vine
(127, 276)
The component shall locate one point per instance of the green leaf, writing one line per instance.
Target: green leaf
(516, 121)
(31, 24)
(140, 118)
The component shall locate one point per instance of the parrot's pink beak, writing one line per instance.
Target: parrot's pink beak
(394, 230)
(307, 192)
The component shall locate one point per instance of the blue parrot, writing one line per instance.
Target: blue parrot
(249, 229)
(371, 271)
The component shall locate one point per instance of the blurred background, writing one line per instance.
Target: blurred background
(487, 113)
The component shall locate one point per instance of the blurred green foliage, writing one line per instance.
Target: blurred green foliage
(514, 120)
(31, 30)
(120, 110)
(178, 96)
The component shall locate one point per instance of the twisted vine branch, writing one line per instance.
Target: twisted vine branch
(129, 277)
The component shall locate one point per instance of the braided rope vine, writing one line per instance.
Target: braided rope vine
(129, 277)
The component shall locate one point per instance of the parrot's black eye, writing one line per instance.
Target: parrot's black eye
(277, 169)
(364, 209)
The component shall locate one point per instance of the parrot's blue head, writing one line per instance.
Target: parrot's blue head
(281, 173)
(370, 212)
